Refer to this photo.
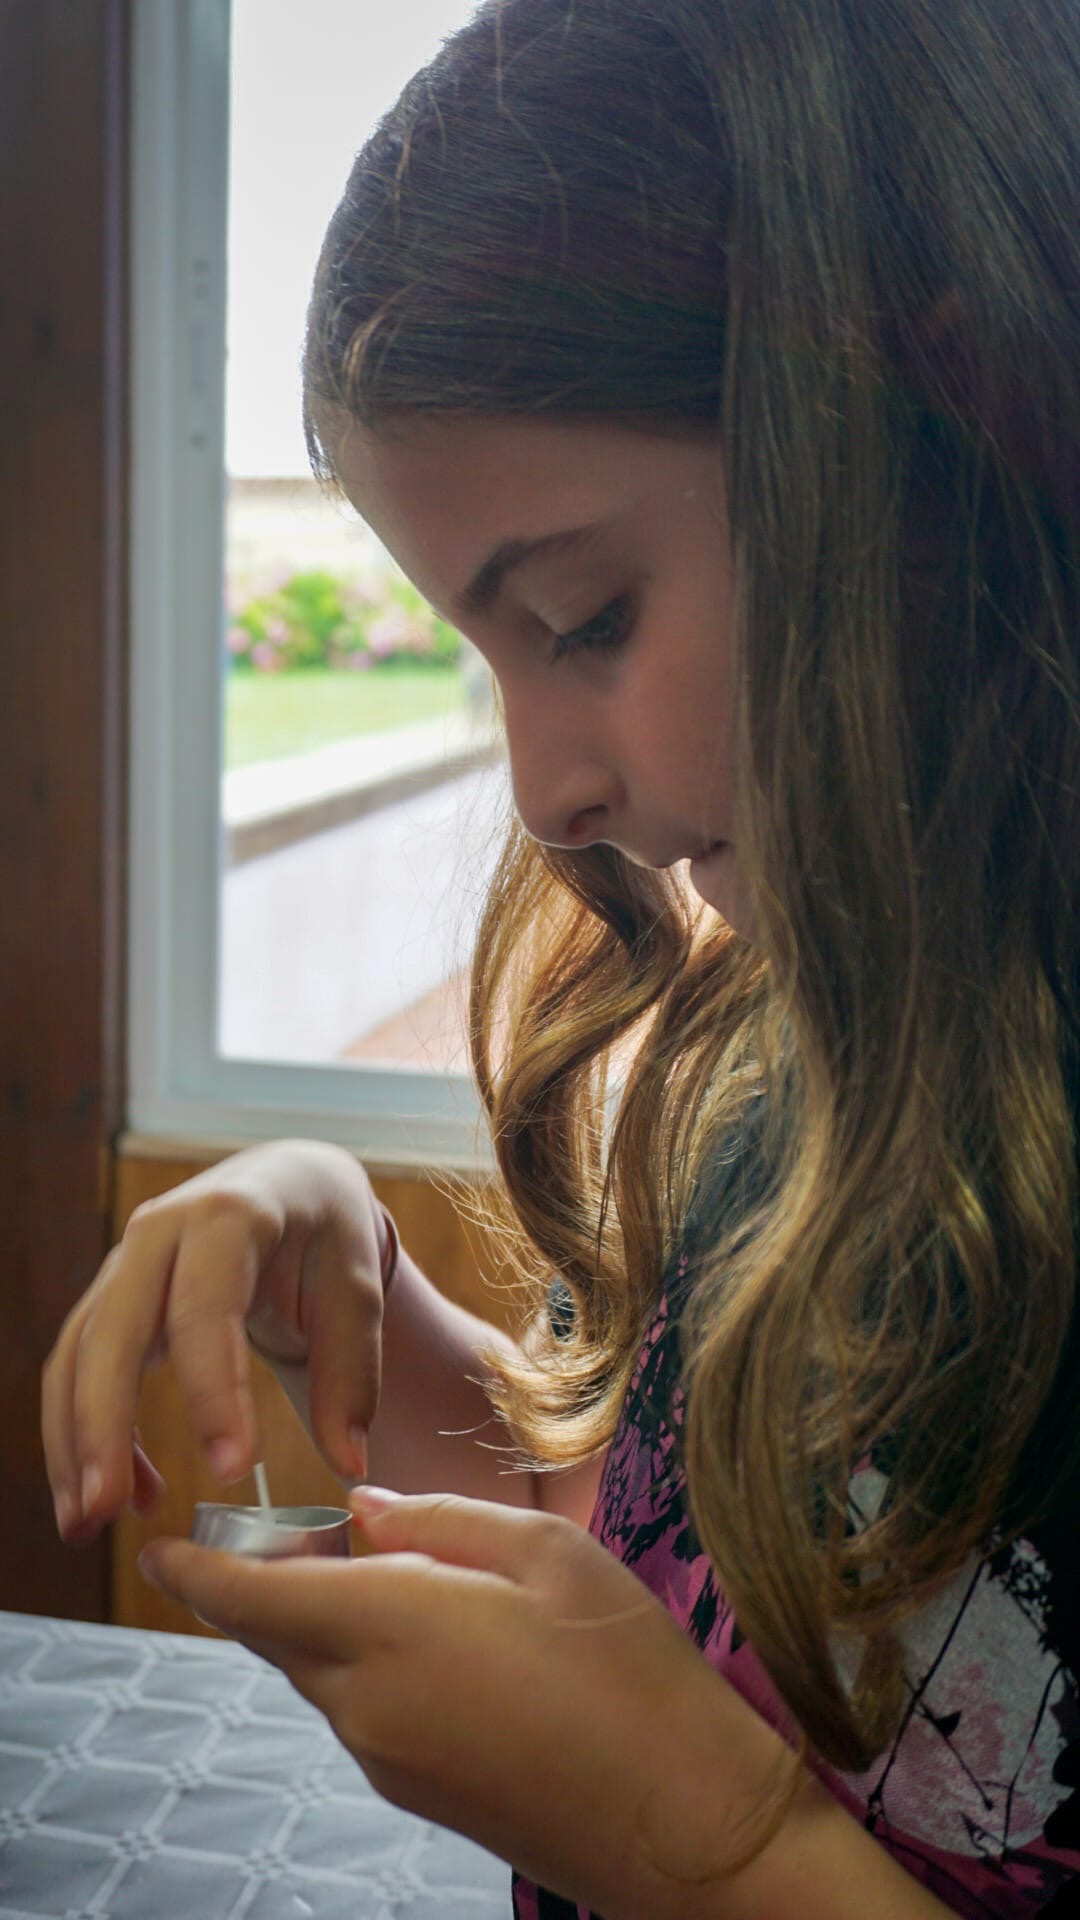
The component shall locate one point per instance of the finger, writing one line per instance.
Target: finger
(149, 1484)
(336, 1612)
(308, 1673)
(92, 1380)
(344, 1354)
(216, 1272)
(304, 1604)
(57, 1422)
(481, 1534)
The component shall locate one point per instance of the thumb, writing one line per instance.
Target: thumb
(343, 1282)
(481, 1534)
(344, 1376)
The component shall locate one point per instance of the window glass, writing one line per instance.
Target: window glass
(363, 788)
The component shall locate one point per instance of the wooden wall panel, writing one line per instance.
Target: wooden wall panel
(453, 1259)
(63, 77)
(66, 1184)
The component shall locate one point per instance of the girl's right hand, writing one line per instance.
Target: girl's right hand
(286, 1240)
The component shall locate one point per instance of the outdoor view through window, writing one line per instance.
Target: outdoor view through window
(363, 786)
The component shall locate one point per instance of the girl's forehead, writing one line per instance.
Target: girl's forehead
(442, 494)
(445, 495)
(461, 460)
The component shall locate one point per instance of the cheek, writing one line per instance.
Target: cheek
(679, 710)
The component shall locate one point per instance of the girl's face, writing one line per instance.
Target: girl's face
(591, 567)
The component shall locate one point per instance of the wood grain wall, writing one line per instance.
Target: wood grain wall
(68, 1182)
(63, 78)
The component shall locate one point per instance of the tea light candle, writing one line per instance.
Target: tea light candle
(267, 1532)
(274, 1533)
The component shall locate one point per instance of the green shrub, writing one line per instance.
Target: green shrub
(314, 619)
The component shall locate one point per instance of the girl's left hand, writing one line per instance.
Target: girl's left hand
(497, 1671)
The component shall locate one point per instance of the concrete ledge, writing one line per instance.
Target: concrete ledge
(278, 802)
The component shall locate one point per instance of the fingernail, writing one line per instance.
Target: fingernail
(358, 1443)
(226, 1459)
(92, 1483)
(65, 1511)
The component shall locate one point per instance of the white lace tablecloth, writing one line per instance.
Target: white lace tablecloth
(154, 1776)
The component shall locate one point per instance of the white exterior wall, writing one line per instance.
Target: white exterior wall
(328, 938)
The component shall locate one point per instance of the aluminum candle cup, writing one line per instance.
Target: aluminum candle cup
(274, 1533)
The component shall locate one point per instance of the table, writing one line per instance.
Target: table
(156, 1776)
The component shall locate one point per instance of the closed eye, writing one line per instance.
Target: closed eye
(603, 634)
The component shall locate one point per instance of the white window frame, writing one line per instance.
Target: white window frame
(179, 1087)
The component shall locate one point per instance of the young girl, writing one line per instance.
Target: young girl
(715, 365)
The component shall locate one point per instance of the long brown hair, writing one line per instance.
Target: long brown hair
(846, 236)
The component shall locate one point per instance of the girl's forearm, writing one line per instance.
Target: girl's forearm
(710, 1774)
(821, 1866)
(436, 1428)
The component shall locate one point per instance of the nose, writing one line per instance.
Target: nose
(564, 792)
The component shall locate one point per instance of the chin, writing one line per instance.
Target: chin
(716, 881)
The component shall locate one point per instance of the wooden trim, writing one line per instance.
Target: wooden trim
(164, 1150)
(63, 382)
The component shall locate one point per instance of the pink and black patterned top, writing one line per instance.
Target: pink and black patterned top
(977, 1797)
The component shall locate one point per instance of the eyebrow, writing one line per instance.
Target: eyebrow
(486, 584)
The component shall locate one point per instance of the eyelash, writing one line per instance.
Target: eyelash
(585, 639)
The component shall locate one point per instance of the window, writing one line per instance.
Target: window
(317, 790)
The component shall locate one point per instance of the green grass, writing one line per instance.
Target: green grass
(270, 716)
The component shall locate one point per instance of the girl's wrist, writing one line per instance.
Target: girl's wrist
(389, 1252)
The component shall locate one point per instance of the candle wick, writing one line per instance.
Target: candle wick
(263, 1489)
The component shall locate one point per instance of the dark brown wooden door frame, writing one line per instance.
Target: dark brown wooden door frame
(64, 68)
